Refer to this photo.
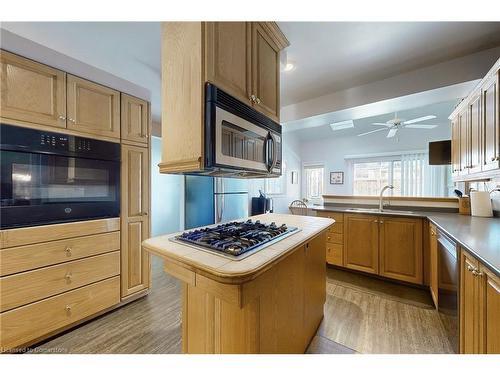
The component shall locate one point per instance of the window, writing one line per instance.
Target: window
(371, 176)
(314, 181)
(410, 174)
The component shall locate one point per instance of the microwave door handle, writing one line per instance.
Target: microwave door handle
(275, 153)
(269, 139)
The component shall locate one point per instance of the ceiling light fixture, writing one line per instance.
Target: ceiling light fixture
(342, 125)
(289, 67)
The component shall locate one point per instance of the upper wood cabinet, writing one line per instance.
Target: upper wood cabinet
(134, 219)
(475, 131)
(401, 249)
(134, 119)
(265, 72)
(241, 58)
(92, 108)
(361, 236)
(491, 123)
(479, 307)
(228, 57)
(32, 92)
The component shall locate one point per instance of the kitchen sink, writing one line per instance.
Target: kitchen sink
(385, 211)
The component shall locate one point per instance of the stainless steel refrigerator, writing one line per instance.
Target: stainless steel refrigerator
(210, 200)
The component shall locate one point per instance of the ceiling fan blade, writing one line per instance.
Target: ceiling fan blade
(373, 131)
(418, 119)
(382, 123)
(392, 133)
(421, 126)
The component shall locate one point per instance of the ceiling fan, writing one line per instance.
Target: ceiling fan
(397, 124)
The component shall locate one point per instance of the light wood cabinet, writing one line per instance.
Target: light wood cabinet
(479, 307)
(489, 310)
(32, 92)
(491, 123)
(134, 218)
(361, 242)
(475, 133)
(134, 119)
(241, 58)
(228, 56)
(92, 108)
(265, 72)
(401, 249)
(434, 264)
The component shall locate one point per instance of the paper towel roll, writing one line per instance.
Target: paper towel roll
(480, 204)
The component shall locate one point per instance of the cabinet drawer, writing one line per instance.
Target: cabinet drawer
(334, 254)
(336, 228)
(337, 216)
(29, 322)
(25, 258)
(337, 238)
(22, 288)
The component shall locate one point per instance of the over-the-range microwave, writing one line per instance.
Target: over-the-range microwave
(239, 141)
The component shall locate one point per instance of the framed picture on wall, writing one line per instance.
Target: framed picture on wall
(336, 178)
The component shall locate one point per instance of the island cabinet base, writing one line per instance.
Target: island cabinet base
(279, 311)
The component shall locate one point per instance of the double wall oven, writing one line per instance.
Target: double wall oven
(239, 141)
(52, 177)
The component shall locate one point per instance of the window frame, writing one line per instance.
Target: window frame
(305, 167)
(381, 159)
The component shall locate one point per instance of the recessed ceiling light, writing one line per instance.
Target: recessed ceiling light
(342, 125)
(289, 67)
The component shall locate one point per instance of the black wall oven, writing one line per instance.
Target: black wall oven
(51, 177)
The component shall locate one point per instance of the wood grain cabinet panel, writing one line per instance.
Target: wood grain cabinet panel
(26, 287)
(455, 147)
(489, 307)
(469, 304)
(464, 126)
(491, 123)
(401, 249)
(228, 56)
(28, 323)
(92, 108)
(134, 119)
(334, 254)
(265, 72)
(135, 218)
(25, 258)
(361, 242)
(32, 92)
(475, 129)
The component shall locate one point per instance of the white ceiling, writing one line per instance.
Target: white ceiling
(440, 110)
(333, 56)
(328, 56)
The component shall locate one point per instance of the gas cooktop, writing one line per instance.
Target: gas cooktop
(235, 240)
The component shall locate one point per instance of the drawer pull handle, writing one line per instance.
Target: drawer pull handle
(68, 276)
(68, 309)
(68, 250)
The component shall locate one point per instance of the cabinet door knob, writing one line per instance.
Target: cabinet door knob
(470, 268)
(253, 98)
(497, 158)
(72, 120)
(375, 221)
(257, 100)
(475, 273)
(61, 117)
(381, 221)
(493, 158)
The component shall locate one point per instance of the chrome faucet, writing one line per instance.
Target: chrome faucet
(381, 197)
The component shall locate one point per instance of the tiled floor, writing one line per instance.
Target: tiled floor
(362, 315)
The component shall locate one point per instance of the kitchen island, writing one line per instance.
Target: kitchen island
(269, 302)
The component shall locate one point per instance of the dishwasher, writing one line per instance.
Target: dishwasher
(448, 277)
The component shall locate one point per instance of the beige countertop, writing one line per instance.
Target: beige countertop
(479, 235)
(231, 271)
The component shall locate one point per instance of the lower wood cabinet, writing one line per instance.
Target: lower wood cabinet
(134, 219)
(400, 249)
(434, 264)
(479, 307)
(361, 245)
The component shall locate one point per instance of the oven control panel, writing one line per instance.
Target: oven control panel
(54, 141)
